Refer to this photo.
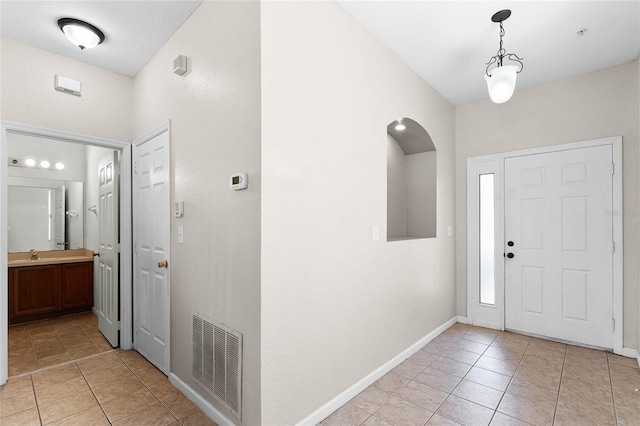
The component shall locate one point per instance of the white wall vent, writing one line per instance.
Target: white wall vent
(217, 362)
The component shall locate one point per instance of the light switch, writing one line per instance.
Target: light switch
(376, 233)
(180, 234)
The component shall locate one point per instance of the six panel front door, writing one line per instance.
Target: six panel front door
(558, 218)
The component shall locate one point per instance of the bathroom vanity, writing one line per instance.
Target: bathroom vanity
(49, 284)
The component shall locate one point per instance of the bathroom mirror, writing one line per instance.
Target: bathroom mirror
(45, 214)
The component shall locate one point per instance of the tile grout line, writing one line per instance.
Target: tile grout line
(35, 398)
(613, 397)
(93, 393)
(564, 359)
(154, 395)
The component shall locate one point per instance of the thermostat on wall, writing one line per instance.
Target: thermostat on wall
(239, 181)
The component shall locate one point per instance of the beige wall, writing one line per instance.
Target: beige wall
(28, 96)
(591, 106)
(335, 305)
(421, 172)
(215, 132)
(396, 190)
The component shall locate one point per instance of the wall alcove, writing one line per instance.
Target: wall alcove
(411, 181)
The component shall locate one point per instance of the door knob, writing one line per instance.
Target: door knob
(510, 243)
(510, 255)
(163, 264)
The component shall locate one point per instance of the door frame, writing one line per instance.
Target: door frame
(494, 163)
(126, 322)
(164, 127)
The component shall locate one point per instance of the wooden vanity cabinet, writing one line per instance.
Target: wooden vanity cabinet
(43, 291)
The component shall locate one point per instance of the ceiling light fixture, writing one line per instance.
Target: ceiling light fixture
(80, 33)
(30, 162)
(59, 166)
(501, 80)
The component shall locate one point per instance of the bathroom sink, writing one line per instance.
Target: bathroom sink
(50, 257)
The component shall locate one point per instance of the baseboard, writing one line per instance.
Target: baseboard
(462, 319)
(337, 402)
(631, 353)
(204, 405)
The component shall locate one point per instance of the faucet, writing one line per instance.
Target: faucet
(34, 254)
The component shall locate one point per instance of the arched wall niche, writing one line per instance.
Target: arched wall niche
(411, 181)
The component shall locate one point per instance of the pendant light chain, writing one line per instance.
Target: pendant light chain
(498, 59)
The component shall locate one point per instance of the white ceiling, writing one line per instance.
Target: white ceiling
(449, 42)
(134, 30)
(446, 42)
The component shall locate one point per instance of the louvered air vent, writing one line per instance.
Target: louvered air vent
(217, 362)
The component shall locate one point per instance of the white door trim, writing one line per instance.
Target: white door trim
(475, 166)
(165, 127)
(126, 319)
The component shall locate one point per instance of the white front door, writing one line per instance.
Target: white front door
(559, 230)
(151, 221)
(108, 297)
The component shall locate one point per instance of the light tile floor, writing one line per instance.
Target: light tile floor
(117, 387)
(41, 344)
(476, 376)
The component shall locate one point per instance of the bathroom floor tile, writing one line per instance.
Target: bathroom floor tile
(156, 415)
(61, 395)
(127, 405)
(66, 406)
(16, 404)
(47, 343)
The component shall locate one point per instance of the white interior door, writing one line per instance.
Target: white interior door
(151, 221)
(107, 299)
(559, 282)
(59, 218)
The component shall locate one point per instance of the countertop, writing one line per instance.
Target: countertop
(50, 257)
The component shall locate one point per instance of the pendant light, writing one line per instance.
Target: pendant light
(82, 34)
(501, 80)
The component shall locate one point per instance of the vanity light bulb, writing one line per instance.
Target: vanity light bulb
(59, 166)
(30, 162)
(44, 164)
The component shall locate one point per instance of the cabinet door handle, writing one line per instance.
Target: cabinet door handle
(163, 264)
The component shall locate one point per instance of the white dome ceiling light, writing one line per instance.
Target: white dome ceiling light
(80, 33)
(501, 80)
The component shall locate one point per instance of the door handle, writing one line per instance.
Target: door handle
(510, 255)
(510, 243)
(163, 264)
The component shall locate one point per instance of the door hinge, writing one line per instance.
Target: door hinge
(613, 168)
(613, 324)
(613, 246)
(117, 325)
(135, 167)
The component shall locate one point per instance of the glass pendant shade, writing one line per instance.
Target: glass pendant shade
(502, 83)
(80, 33)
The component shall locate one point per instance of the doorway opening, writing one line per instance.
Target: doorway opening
(123, 149)
(544, 247)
